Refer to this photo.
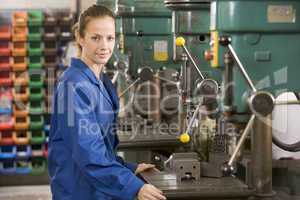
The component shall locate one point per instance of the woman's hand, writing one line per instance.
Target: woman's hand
(149, 192)
(144, 167)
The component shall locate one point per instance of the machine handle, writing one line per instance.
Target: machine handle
(185, 137)
(180, 41)
(241, 67)
(130, 86)
(225, 41)
(144, 74)
(227, 167)
(207, 87)
(287, 147)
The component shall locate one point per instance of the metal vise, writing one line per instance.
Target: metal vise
(186, 166)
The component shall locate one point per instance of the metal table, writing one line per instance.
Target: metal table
(206, 188)
(228, 188)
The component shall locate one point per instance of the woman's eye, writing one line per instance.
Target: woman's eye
(95, 38)
(111, 38)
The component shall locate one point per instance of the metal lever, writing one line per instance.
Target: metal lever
(255, 101)
(167, 80)
(262, 105)
(185, 137)
(241, 67)
(206, 87)
(227, 167)
(193, 118)
(144, 73)
(130, 86)
(225, 41)
(180, 41)
(116, 76)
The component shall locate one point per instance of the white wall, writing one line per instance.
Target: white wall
(44, 4)
(86, 3)
(37, 4)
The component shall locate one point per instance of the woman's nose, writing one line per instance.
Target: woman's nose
(103, 43)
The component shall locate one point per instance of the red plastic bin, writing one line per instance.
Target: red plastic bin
(5, 48)
(6, 122)
(5, 32)
(6, 138)
(5, 63)
(5, 78)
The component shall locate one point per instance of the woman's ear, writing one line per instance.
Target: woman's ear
(80, 40)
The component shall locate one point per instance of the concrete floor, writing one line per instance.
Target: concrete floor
(25, 193)
(43, 193)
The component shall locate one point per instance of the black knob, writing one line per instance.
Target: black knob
(140, 33)
(227, 169)
(224, 40)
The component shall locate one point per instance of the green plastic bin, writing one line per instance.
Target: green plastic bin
(34, 48)
(37, 137)
(35, 18)
(36, 107)
(38, 165)
(35, 62)
(36, 94)
(36, 80)
(34, 33)
(36, 122)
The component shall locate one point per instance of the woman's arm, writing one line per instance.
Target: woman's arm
(89, 150)
(131, 166)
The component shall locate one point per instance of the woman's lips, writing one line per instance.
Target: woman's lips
(102, 55)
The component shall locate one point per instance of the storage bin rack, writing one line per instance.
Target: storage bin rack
(31, 50)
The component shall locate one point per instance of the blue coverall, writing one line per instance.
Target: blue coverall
(83, 164)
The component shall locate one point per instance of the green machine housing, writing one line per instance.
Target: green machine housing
(145, 30)
(191, 20)
(266, 37)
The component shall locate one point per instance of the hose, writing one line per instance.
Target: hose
(287, 147)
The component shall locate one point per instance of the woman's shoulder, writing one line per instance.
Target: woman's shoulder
(74, 78)
(72, 74)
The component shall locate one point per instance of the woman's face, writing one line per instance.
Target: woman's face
(99, 40)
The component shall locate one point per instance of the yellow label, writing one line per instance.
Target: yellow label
(160, 50)
(215, 49)
(160, 56)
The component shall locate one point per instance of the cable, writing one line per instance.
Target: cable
(287, 147)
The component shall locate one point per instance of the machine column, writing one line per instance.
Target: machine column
(262, 156)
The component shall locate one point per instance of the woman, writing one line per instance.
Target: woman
(83, 164)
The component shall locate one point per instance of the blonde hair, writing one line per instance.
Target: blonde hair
(75, 30)
(94, 11)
